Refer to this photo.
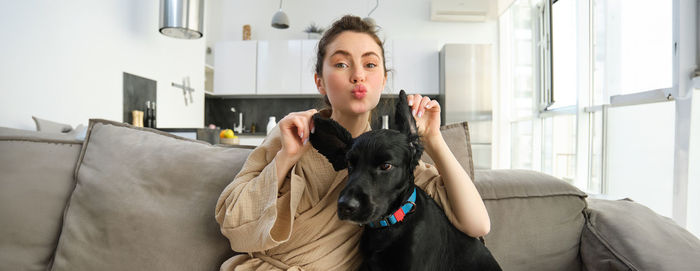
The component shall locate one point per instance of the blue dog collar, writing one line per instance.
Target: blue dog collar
(397, 216)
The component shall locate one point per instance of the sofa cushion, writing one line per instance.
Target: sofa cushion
(41, 136)
(624, 235)
(457, 138)
(43, 125)
(145, 200)
(536, 219)
(36, 179)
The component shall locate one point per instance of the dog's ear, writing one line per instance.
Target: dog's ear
(331, 140)
(406, 124)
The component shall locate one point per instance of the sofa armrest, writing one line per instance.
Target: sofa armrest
(624, 235)
(536, 219)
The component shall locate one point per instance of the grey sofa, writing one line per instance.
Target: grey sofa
(128, 198)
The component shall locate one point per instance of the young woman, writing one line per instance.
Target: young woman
(281, 208)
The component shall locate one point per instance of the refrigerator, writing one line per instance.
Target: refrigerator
(466, 85)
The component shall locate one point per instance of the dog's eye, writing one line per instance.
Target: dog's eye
(385, 166)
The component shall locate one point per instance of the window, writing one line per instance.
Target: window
(522, 144)
(633, 47)
(608, 58)
(600, 48)
(559, 146)
(564, 55)
(595, 150)
(519, 84)
(632, 150)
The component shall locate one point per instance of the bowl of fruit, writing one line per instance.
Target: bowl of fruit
(227, 137)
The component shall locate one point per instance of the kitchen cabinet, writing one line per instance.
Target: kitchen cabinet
(286, 67)
(278, 67)
(308, 66)
(235, 63)
(416, 66)
(250, 140)
(208, 79)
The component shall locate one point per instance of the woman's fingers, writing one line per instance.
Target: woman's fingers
(301, 123)
(423, 103)
(300, 126)
(430, 125)
(419, 104)
(310, 113)
(433, 105)
(414, 101)
(309, 127)
(295, 133)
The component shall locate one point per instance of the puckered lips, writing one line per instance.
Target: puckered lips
(359, 91)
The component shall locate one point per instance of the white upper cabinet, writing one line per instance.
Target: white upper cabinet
(416, 66)
(308, 66)
(286, 67)
(235, 63)
(279, 67)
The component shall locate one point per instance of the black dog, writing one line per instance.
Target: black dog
(405, 229)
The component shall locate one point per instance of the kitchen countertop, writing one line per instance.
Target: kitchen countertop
(256, 134)
(178, 129)
(194, 130)
(250, 139)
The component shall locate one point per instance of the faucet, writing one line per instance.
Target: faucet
(238, 128)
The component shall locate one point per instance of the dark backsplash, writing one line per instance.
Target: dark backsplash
(217, 110)
(137, 90)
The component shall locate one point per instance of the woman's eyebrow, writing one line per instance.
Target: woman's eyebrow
(346, 53)
(370, 54)
(341, 52)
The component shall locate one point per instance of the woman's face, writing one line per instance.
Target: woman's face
(353, 73)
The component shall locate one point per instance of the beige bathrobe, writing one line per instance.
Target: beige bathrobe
(295, 226)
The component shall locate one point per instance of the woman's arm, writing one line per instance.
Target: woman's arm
(254, 205)
(295, 129)
(467, 205)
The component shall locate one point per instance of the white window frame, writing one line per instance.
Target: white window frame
(683, 63)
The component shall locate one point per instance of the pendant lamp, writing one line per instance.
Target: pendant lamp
(369, 19)
(280, 19)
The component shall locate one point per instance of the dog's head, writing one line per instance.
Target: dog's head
(380, 163)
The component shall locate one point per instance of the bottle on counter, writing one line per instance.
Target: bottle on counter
(271, 124)
(137, 118)
(153, 115)
(147, 120)
(252, 128)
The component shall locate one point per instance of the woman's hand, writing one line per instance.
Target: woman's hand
(295, 129)
(427, 115)
(467, 205)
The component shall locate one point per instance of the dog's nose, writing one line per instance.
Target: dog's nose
(347, 206)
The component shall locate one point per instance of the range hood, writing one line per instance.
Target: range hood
(182, 19)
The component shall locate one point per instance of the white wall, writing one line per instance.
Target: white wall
(399, 19)
(63, 61)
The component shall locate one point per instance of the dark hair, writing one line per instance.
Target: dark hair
(346, 23)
